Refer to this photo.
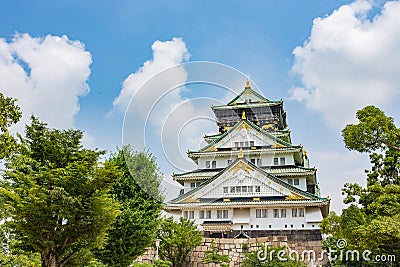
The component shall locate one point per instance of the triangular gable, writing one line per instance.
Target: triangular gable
(244, 128)
(244, 173)
(246, 95)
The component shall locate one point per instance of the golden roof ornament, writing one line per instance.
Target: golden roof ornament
(243, 115)
(240, 155)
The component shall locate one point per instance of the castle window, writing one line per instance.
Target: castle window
(301, 212)
(237, 144)
(276, 213)
(222, 214)
(205, 214)
(214, 164)
(188, 214)
(251, 143)
(207, 164)
(276, 161)
(261, 213)
(246, 144)
(298, 212)
(225, 190)
(294, 212)
(282, 213)
(208, 214)
(194, 184)
(201, 214)
(257, 189)
(229, 161)
(253, 161)
(296, 181)
(282, 161)
(290, 181)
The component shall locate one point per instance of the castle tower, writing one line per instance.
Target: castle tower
(250, 181)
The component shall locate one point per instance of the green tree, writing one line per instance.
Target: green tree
(136, 227)
(9, 114)
(374, 131)
(58, 195)
(371, 222)
(268, 257)
(178, 239)
(212, 256)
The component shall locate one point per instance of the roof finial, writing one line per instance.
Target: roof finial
(247, 83)
(243, 115)
(240, 155)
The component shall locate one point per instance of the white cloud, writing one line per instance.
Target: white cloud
(165, 54)
(151, 96)
(47, 75)
(350, 61)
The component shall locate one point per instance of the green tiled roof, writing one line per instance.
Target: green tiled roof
(254, 126)
(269, 175)
(207, 174)
(195, 174)
(245, 152)
(248, 89)
(295, 169)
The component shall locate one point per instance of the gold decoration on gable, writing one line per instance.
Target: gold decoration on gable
(212, 149)
(277, 145)
(244, 126)
(242, 166)
(191, 199)
(247, 92)
(268, 126)
(293, 196)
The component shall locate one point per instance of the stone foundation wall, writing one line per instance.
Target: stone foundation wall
(236, 248)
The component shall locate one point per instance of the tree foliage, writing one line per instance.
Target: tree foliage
(178, 239)
(9, 114)
(135, 228)
(57, 193)
(371, 222)
(212, 256)
(373, 132)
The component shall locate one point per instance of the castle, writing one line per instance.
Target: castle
(250, 181)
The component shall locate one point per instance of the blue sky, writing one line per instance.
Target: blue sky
(326, 59)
